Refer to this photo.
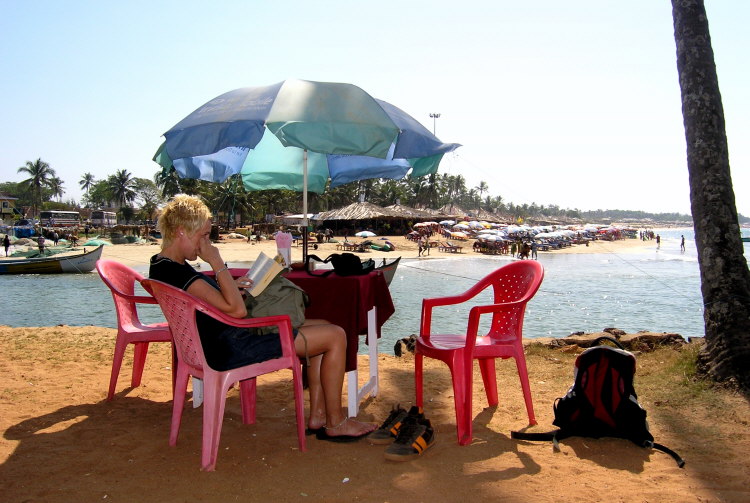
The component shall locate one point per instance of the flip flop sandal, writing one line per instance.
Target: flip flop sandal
(323, 435)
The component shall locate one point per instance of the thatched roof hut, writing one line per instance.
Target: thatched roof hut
(358, 211)
(489, 217)
(453, 210)
(367, 216)
(409, 212)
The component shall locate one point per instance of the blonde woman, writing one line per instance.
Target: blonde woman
(185, 224)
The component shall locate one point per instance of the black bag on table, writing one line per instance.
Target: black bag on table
(344, 264)
(602, 401)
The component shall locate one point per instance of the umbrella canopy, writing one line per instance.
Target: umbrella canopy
(265, 133)
(365, 234)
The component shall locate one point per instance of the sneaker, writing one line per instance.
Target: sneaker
(388, 431)
(415, 436)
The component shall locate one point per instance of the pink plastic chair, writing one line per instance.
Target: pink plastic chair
(180, 308)
(514, 285)
(121, 281)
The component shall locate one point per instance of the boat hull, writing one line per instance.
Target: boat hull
(389, 269)
(84, 262)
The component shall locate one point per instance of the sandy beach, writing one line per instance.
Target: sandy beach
(239, 250)
(62, 441)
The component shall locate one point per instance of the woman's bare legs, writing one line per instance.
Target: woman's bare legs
(326, 349)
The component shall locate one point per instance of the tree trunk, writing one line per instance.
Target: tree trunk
(725, 278)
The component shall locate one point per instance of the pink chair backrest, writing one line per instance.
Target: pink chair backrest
(121, 281)
(515, 282)
(179, 308)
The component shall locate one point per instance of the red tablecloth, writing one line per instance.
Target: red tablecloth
(345, 301)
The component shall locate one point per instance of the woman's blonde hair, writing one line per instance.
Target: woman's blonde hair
(188, 212)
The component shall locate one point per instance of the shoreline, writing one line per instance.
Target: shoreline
(240, 251)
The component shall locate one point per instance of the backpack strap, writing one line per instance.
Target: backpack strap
(663, 448)
(537, 437)
(556, 435)
(606, 338)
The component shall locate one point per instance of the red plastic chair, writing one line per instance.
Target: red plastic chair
(180, 309)
(121, 281)
(514, 285)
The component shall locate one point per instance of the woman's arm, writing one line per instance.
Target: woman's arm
(227, 300)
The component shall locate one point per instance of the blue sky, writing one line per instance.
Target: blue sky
(569, 103)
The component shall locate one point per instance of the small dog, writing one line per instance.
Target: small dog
(405, 345)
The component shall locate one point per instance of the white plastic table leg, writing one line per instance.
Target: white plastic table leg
(356, 394)
(197, 392)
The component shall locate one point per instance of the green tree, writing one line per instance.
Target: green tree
(481, 188)
(725, 278)
(149, 197)
(99, 195)
(168, 181)
(86, 181)
(40, 176)
(56, 188)
(122, 187)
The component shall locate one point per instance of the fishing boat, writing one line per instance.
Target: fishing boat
(746, 239)
(54, 264)
(388, 269)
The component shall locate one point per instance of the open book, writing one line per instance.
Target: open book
(263, 270)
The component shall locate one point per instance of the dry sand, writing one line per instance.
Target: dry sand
(239, 250)
(62, 441)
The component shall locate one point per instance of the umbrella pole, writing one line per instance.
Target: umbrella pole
(304, 206)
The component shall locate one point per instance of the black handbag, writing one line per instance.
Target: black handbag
(344, 264)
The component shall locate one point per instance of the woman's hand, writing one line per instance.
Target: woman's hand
(244, 283)
(209, 253)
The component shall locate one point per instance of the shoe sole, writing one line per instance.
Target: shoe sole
(406, 457)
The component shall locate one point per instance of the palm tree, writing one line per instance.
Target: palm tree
(482, 188)
(725, 278)
(40, 175)
(122, 186)
(56, 187)
(86, 181)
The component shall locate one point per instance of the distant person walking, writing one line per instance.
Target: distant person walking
(682, 244)
(6, 244)
(658, 241)
(40, 244)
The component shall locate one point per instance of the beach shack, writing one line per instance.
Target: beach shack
(8, 211)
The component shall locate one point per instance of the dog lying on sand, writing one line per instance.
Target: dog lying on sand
(405, 345)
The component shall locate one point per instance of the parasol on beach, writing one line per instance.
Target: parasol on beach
(297, 135)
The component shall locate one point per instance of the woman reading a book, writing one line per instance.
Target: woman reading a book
(185, 225)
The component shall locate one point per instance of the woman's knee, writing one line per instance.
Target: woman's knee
(336, 336)
(323, 338)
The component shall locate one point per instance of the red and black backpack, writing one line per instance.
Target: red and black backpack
(602, 401)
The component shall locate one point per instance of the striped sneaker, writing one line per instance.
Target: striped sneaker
(415, 436)
(388, 431)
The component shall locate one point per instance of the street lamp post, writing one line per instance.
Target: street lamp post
(434, 117)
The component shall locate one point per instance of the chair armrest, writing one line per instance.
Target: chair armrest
(264, 321)
(139, 299)
(283, 321)
(475, 313)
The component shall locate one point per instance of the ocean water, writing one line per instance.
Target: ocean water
(658, 290)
